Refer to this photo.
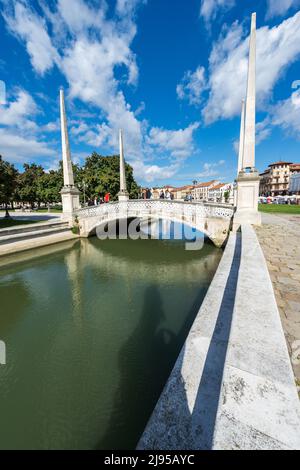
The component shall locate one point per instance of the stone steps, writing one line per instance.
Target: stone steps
(32, 231)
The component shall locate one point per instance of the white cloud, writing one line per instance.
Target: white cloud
(88, 60)
(140, 109)
(101, 135)
(90, 44)
(31, 28)
(286, 114)
(280, 7)
(51, 127)
(20, 149)
(210, 8)
(128, 7)
(80, 128)
(78, 16)
(178, 142)
(16, 112)
(20, 136)
(89, 67)
(192, 86)
(263, 130)
(209, 170)
(151, 173)
(277, 48)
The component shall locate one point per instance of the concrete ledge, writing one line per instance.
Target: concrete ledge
(232, 386)
(184, 416)
(16, 229)
(259, 406)
(29, 244)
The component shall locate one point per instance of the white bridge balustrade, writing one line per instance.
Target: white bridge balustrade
(214, 220)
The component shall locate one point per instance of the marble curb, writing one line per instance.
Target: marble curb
(232, 386)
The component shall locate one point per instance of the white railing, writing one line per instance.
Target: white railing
(146, 207)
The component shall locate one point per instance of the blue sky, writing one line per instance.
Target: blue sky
(170, 73)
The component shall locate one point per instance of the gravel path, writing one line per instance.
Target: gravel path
(279, 237)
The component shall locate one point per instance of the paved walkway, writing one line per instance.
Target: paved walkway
(34, 216)
(279, 237)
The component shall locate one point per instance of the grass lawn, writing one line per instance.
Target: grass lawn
(39, 210)
(43, 211)
(4, 223)
(279, 208)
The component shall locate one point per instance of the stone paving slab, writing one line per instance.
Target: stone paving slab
(232, 386)
(279, 237)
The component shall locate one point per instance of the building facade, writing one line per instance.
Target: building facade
(200, 191)
(275, 181)
(218, 192)
(294, 186)
(182, 192)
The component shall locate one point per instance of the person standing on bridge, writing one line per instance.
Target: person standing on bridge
(107, 197)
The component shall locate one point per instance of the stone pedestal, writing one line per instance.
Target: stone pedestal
(123, 196)
(70, 201)
(235, 196)
(247, 199)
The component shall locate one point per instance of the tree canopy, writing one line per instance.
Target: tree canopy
(8, 183)
(99, 175)
(102, 175)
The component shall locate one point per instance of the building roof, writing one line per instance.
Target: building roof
(266, 172)
(204, 185)
(188, 186)
(218, 186)
(280, 162)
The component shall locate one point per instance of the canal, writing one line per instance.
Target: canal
(92, 330)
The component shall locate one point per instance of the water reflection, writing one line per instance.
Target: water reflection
(92, 332)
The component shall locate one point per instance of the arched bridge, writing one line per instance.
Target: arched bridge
(214, 220)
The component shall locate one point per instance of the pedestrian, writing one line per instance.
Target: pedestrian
(161, 194)
(106, 197)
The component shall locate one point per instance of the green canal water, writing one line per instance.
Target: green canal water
(92, 330)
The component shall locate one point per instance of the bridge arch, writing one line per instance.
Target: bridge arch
(211, 219)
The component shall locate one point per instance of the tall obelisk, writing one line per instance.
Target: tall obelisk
(69, 192)
(248, 177)
(249, 138)
(123, 194)
(242, 133)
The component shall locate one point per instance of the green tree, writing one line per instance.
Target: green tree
(29, 184)
(102, 174)
(8, 183)
(226, 195)
(49, 186)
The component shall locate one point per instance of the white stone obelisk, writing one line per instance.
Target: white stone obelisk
(249, 138)
(242, 133)
(123, 194)
(69, 193)
(248, 177)
(241, 149)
